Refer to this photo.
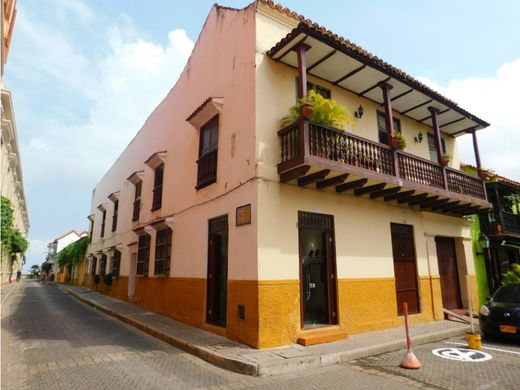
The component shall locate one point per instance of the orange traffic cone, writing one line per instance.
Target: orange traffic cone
(409, 360)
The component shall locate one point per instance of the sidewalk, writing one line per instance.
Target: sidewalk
(237, 357)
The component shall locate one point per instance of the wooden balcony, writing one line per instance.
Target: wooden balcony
(318, 155)
(500, 223)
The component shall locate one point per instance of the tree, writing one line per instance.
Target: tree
(35, 271)
(6, 223)
(13, 242)
(73, 253)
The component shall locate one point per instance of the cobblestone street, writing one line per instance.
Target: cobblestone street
(52, 341)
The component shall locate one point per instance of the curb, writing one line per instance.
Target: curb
(10, 292)
(290, 365)
(204, 353)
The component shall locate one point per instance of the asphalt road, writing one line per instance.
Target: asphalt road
(52, 341)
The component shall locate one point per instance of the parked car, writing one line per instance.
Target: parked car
(501, 314)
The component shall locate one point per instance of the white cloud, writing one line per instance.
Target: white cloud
(130, 81)
(36, 252)
(100, 97)
(494, 99)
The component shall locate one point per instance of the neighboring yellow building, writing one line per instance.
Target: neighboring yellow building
(216, 216)
(11, 176)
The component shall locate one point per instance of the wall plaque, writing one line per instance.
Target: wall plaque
(243, 216)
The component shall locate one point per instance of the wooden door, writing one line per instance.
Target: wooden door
(405, 268)
(447, 260)
(216, 289)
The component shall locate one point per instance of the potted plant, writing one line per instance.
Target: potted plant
(445, 159)
(319, 109)
(398, 141)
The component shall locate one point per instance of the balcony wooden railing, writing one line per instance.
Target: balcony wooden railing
(207, 169)
(114, 222)
(500, 222)
(136, 210)
(157, 197)
(302, 139)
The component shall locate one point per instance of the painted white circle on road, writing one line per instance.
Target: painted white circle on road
(462, 354)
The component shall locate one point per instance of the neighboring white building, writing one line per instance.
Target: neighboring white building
(57, 245)
(11, 168)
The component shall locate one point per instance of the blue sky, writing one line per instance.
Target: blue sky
(82, 71)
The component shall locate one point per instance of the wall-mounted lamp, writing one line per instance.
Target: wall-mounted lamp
(359, 113)
(419, 137)
(483, 241)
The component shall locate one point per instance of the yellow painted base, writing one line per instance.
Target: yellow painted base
(272, 308)
(278, 312)
(243, 292)
(180, 298)
(319, 336)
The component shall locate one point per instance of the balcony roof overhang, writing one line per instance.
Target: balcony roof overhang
(348, 66)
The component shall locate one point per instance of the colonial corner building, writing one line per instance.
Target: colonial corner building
(220, 218)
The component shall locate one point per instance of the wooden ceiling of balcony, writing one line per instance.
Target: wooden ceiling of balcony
(348, 66)
(430, 199)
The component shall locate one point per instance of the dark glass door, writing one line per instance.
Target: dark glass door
(217, 271)
(317, 269)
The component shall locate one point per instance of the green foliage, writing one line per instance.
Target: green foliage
(73, 253)
(512, 275)
(325, 111)
(400, 137)
(514, 202)
(13, 241)
(35, 271)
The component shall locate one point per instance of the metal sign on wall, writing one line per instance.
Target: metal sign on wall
(243, 215)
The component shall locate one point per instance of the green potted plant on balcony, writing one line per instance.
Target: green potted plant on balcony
(398, 141)
(319, 109)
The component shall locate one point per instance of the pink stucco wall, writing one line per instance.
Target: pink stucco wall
(222, 64)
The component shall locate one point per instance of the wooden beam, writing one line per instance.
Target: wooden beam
(369, 189)
(389, 116)
(375, 86)
(412, 198)
(388, 191)
(402, 94)
(350, 74)
(436, 203)
(417, 106)
(331, 182)
(429, 116)
(399, 195)
(447, 206)
(303, 181)
(351, 185)
(302, 69)
(428, 200)
(452, 122)
(475, 149)
(294, 173)
(322, 59)
(467, 210)
(436, 133)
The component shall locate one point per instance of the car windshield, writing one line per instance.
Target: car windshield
(508, 294)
